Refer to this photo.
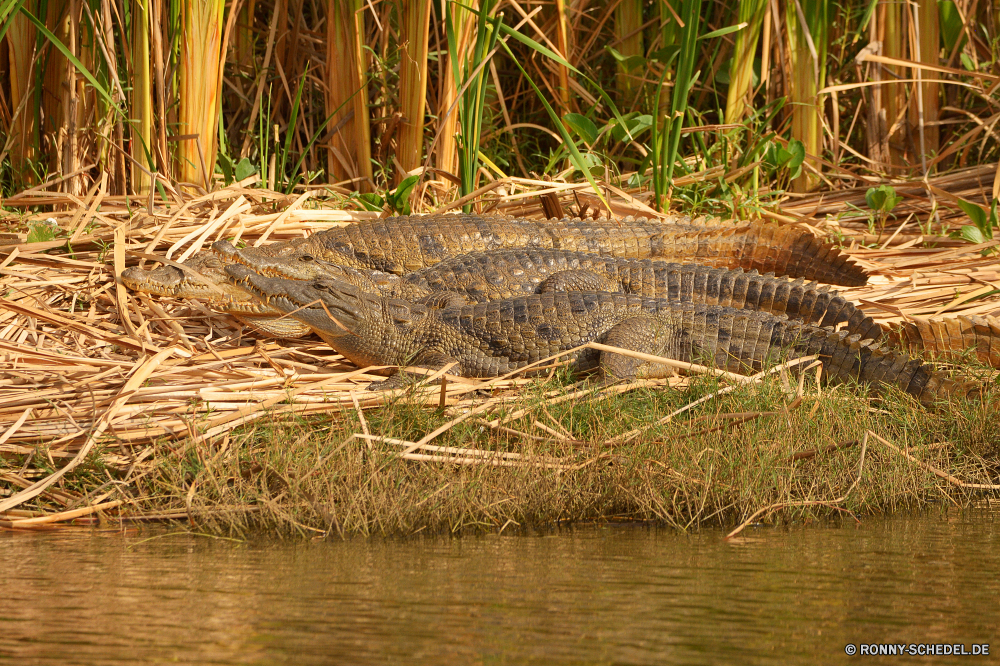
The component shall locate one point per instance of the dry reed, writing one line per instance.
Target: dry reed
(97, 378)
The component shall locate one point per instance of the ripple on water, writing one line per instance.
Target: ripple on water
(585, 595)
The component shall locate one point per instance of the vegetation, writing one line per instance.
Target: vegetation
(152, 126)
(757, 450)
(366, 95)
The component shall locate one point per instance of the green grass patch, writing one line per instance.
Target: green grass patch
(713, 466)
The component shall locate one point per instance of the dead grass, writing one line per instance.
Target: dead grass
(113, 404)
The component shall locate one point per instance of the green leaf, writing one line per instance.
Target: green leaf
(798, 153)
(628, 62)
(399, 198)
(882, 199)
(724, 31)
(226, 167)
(244, 169)
(371, 201)
(583, 126)
(973, 235)
(635, 125)
(951, 24)
(967, 62)
(975, 213)
(42, 232)
(666, 55)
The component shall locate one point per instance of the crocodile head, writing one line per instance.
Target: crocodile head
(203, 276)
(304, 266)
(366, 328)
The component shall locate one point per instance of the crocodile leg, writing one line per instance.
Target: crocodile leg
(579, 279)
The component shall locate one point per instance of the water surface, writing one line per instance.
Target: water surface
(591, 595)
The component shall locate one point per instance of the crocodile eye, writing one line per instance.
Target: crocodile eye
(306, 257)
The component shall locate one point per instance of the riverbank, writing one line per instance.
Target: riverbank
(768, 451)
(115, 405)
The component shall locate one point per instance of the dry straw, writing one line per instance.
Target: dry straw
(90, 369)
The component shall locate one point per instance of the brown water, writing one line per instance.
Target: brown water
(594, 595)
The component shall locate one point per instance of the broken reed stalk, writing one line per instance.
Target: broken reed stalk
(628, 33)
(415, 35)
(740, 95)
(806, 24)
(347, 90)
(141, 112)
(200, 76)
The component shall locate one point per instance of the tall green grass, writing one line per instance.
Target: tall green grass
(143, 95)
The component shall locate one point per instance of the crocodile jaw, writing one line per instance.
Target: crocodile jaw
(362, 327)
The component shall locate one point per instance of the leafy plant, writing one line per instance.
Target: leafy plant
(983, 222)
(785, 161)
(235, 171)
(882, 200)
(399, 198)
(40, 232)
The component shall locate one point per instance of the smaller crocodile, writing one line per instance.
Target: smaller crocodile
(490, 276)
(478, 277)
(203, 277)
(948, 337)
(404, 244)
(498, 337)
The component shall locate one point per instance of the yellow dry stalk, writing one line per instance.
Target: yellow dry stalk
(894, 42)
(924, 109)
(21, 43)
(446, 157)
(243, 39)
(350, 148)
(141, 103)
(198, 94)
(562, 33)
(807, 56)
(628, 33)
(413, 84)
(741, 71)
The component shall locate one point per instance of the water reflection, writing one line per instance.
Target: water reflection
(623, 595)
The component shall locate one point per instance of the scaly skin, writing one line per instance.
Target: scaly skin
(492, 339)
(947, 337)
(404, 244)
(206, 280)
(491, 276)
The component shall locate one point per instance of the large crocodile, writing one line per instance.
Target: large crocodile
(488, 276)
(203, 277)
(492, 339)
(403, 244)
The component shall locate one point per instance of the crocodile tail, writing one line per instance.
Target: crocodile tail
(762, 246)
(947, 337)
(800, 254)
(847, 356)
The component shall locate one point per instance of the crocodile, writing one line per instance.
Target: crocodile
(948, 337)
(487, 276)
(404, 244)
(495, 338)
(203, 277)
